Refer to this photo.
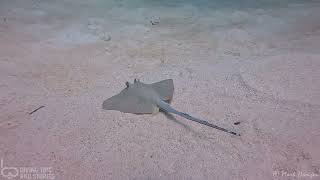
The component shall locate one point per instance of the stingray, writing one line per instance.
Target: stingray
(141, 98)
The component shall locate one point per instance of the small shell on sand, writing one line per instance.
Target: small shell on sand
(105, 37)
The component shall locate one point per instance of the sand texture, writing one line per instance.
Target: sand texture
(254, 64)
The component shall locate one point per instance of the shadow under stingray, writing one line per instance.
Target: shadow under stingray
(172, 118)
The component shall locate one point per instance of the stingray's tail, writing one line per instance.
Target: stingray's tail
(167, 108)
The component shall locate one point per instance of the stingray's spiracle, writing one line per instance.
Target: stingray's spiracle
(136, 80)
(127, 84)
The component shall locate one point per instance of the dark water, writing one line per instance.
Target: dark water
(208, 3)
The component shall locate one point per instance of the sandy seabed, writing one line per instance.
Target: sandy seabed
(259, 66)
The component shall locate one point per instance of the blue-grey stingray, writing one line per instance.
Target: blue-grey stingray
(141, 98)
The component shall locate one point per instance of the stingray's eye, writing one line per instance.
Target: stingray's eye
(136, 80)
(127, 84)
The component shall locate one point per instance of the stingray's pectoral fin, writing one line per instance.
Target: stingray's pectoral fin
(164, 88)
(126, 103)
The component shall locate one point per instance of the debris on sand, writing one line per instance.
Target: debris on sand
(237, 123)
(155, 21)
(105, 37)
(36, 110)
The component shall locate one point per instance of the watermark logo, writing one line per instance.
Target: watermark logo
(8, 172)
(298, 174)
(42, 173)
